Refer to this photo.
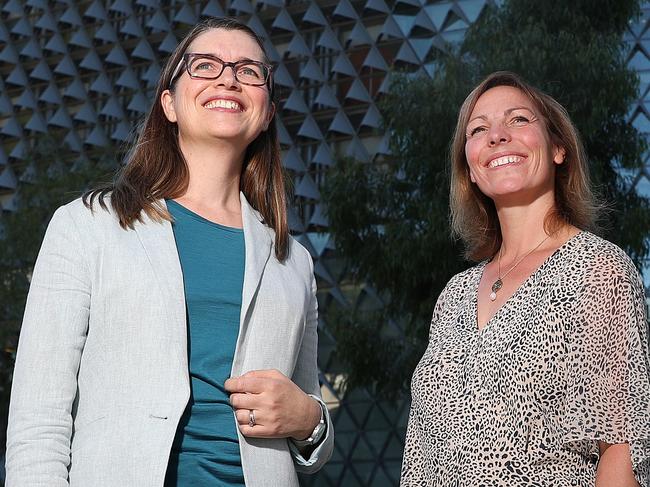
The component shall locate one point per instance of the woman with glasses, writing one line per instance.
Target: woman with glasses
(169, 336)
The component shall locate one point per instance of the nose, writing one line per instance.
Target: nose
(227, 78)
(498, 134)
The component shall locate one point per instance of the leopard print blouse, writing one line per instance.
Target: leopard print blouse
(564, 363)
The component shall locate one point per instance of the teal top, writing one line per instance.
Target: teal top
(206, 448)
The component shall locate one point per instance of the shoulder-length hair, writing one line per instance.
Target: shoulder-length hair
(473, 215)
(156, 168)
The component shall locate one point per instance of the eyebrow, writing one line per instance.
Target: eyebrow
(506, 113)
(244, 59)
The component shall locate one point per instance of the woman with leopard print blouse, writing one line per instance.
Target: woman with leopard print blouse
(537, 369)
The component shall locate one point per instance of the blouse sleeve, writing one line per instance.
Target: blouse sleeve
(608, 389)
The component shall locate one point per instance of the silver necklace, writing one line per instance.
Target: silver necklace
(498, 284)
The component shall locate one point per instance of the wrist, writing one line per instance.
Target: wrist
(316, 426)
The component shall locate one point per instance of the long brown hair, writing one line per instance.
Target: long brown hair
(156, 168)
(473, 215)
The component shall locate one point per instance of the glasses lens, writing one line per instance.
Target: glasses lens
(252, 73)
(202, 67)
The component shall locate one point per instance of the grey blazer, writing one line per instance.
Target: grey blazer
(101, 377)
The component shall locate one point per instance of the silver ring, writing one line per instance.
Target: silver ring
(251, 418)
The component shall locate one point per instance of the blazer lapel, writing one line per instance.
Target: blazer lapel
(157, 238)
(258, 243)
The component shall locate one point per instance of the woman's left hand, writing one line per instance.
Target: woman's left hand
(279, 408)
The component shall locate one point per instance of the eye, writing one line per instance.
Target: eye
(519, 120)
(250, 70)
(476, 130)
(205, 65)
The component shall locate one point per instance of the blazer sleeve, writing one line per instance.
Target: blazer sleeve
(306, 377)
(51, 342)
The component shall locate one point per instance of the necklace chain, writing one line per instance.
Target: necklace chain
(498, 284)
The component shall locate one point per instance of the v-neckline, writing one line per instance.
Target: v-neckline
(524, 284)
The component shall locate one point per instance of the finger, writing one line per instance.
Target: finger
(246, 384)
(265, 374)
(244, 417)
(245, 401)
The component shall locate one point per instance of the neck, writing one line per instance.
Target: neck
(522, 225)
(214, 174)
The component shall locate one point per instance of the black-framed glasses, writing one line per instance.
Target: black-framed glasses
(207, 66)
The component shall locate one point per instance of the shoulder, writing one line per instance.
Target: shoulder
(299, 255)
(600, 259)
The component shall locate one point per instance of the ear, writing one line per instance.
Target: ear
(167, 103)
(269, 116)
(471, 176)
(559, 153)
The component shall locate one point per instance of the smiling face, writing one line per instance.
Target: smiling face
(508, 147)
(219, 109)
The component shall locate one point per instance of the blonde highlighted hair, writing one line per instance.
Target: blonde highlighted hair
(473, 215)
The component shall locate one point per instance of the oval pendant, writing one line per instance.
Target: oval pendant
(497, 285)
(493, 296)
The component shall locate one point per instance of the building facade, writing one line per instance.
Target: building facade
(84, 72)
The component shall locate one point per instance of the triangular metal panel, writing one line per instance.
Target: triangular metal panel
(329, 40)
(314, 15)
(359, 35)
(327, 97)
(117, 56)
(421, 47)
(159, 22)
(358, 92)
(213, 9)
(80, 38)
(9, 54)
(96, 11)
(152, 74)
(86, 113)
(8, 178)
(298, 47)
(27, 99)
(41, 71)
(296, 102)
(132, 27)
(76, 89)
(311, 70)
(407, 54)
(56, 44)
(391, 29)
(128, 79)
(243, 6)
(36, 123)
(102, 85)
(6, 107)
(91, 61)
(32, 49)
(319, 219)
(139, 103)
(472, 9)
(357, 150)
(61, 118)
(423, 21)
(186, 15)
(375, 60)
(307, 188)
(437, 12)
(18, 152)
(282, 77)
(17, 76)
(46, 22)
(168, 44)
(295, 224)
(97, 137)
(12, 128)
(405, 23)
(13, 7)
(372, 118)
(106, 33)
(22, 27)
(292, 160)
(377, 6)
(144, 51)
(71, 16)
(323, 155)
(345, 9)
(122, 6)
(310, 129)
(341, 124)
(283, 134)
(284, 21)
(112, 108)
(73, 141)
(343, 65)
(122, 132)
